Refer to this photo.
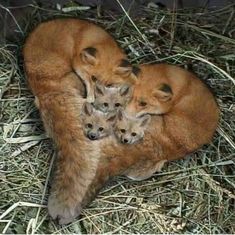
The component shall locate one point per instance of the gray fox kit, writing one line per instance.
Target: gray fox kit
(109, 99)
(96, 124)
(129, 129)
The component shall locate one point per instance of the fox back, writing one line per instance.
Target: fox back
(184, 116)
(60, 46)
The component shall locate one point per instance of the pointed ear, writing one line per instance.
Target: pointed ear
(135, 72)
(99, 89)
(145, 120)
(111, 117)
(87, 109)
(88, 55)
(125, 90)
(164, 93)
(124, 68)
(120, 114)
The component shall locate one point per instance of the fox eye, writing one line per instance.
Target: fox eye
(142, 103)
(89, 125)
(105, 104)
(93, 78)
(117, 105)
(101, 129)
(133, 134)
(123, 130)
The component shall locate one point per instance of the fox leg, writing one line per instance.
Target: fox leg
(90, 90)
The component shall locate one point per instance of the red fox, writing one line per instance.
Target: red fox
(58, 56)
(60, 46)
(184, 116)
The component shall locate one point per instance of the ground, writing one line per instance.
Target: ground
(192, 195)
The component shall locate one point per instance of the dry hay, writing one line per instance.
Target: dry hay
(194, 195)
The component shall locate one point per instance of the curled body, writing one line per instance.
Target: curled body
(62, 58)
(184, 116)
(60, 46)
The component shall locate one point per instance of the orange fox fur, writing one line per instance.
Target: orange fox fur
(54, 54)
(60, 46)
(188, 119)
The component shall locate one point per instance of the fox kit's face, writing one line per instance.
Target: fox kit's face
(152, 94)
(96, 124)
(130, 130)
(107, 64)
(110, 99)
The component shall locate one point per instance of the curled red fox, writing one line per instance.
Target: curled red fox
(60, 57)
(184, 116)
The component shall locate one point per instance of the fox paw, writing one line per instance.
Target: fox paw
(62, 213)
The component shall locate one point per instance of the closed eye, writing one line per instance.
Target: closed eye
(93, 78)
(142, 103)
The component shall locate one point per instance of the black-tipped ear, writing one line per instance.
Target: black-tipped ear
(124, 68)
(164, 93)
(125, 90)
(99, 89)
(166, 88)
(136, 70)
(111, 117)
(88, 55)
(125, 63)
(145, 120)
(87, 109)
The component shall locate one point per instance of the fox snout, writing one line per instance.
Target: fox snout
(125, 140)
(92, 136)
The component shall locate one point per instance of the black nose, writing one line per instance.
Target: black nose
(92, 136)
(125, 141)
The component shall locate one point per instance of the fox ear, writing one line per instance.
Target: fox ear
(124, 68)
(164, 93)
(111, 117)
(88, 55)
(99, 89)
(120, 114)
(135, 72)
(87, 109)
(125, 90)
(145, 120)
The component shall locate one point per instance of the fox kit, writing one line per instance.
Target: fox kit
(96, 124)
(130, 130)
(110, 99)
(184, 116)
(60, 46)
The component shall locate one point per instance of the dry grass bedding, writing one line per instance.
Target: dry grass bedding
(193, 195)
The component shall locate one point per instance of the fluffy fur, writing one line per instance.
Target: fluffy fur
(188, 119)
(57, 54)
